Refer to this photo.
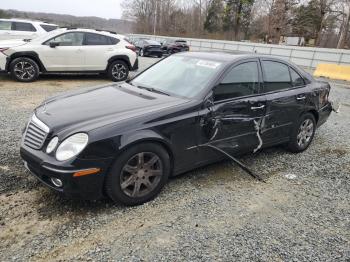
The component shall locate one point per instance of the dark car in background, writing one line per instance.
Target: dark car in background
(125, 140)
(147, 47)
(172, 46)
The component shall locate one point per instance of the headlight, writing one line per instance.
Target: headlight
(72, 146)
(52, 145)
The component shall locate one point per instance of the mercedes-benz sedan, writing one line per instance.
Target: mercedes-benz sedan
(125, 140)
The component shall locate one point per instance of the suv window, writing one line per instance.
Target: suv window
(68, 39)
(297, 80)
(242, 80)
(5, 25)
(20, 26)
(276, 76)
(48, 28)
(97, 39)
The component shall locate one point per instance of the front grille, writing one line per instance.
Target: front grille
(36, 133)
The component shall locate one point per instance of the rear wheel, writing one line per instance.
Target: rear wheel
(139, 174)
(303, 133)
(24, 69)
(118, 71)
(142, 53)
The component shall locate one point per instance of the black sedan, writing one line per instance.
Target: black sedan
(125, 140)
(173, 46)
(148, 47)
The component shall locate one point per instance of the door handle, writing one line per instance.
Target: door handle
(301, 97)
(257, 107)
(110, 49)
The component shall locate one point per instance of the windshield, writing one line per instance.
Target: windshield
(179, 75)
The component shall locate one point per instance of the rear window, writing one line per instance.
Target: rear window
(97, 39)
(151, 42)
(21, 26)
(5, 25)
(49, 28)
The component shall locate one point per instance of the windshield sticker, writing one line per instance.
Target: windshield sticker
(207, 63)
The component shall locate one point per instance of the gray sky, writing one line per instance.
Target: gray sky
(101, 8)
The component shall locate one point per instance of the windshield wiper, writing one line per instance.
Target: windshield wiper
(151, 89)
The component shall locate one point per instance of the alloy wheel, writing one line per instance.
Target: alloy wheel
(141, 174)
(24, 70)
(119, 71)
(305, 133)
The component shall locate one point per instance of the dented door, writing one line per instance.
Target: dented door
(237, 110)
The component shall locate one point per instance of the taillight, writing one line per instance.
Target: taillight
(131, 47)
(3, 49)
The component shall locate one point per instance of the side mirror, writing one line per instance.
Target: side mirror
(54, 44)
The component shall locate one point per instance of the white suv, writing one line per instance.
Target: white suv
(72, 51)
(23, 29)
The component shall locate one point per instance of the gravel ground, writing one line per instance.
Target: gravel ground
(217, 213)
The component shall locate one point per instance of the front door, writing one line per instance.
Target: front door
(231, 121)
(285, 92)
(68, 55)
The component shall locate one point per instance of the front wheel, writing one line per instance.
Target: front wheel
(303, 133)
(118, 71)
(24, 69)
(138, 175)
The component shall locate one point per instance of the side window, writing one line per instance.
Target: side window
(68, 39)
(297, 80)
(97, 39)
(276, 76)
(5, 25)
(48, 28)
(20, 26)
(242, 80)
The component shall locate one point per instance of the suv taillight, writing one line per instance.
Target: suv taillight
(131, 47)
(3, 49)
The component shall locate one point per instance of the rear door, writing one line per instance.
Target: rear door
(229, 123)
(98, 49)
(285, 92)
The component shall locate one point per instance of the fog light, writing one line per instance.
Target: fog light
(57, 182)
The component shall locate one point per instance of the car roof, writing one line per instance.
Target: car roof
(95, 31)
(25, 21)
(227, 56)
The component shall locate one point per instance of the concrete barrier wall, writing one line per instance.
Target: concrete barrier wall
(304, 56)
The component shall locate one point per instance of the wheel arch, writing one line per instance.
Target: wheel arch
(314, 113)
(123, 58)
(32, 55)
(147, 136)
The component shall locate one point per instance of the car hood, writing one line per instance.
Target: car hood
(12, 43)
(88, 109)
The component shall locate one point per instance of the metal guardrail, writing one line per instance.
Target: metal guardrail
(308, 57)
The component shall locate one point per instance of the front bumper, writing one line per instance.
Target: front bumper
(3, 62)
(88, 187)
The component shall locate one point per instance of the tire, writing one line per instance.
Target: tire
(303, 133)
(127, 174)
(141, 52)
(24, 69)
(159, 56)
(118, 71)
